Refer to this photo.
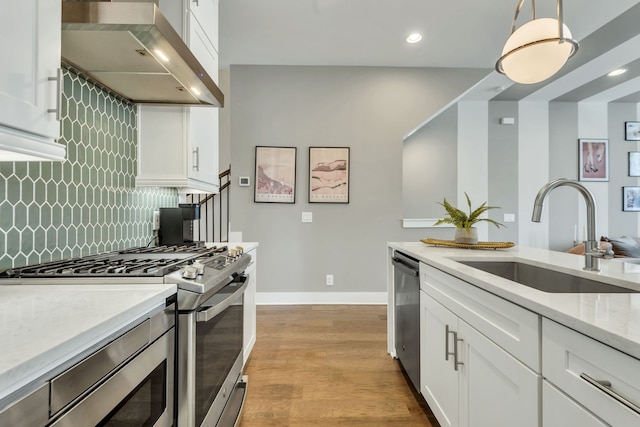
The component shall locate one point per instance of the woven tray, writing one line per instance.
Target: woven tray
(479, 245)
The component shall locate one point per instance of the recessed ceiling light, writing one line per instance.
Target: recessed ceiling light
(414, 38)
(617, 72)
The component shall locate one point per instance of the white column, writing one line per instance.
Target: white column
(593, 122)
(473, 160)
(533, 170)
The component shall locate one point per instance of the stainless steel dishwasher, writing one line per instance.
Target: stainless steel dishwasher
(406, 281)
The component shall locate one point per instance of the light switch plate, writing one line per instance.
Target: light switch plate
(307, 216)
(244, 181)
(509, 217)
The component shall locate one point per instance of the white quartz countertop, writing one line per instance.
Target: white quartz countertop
(612, 318)
(42, 327)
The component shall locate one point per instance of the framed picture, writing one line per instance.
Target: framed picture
(329, 174)
(631, 199)
(634, 163)
(275, 175)
(594, 159)
(632, 131)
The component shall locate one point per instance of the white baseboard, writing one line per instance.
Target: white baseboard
(299, 298)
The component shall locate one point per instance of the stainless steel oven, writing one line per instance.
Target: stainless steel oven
(211, 390)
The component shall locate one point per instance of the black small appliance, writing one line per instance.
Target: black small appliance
(176, 224)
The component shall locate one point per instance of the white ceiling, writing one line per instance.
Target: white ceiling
(458, 33)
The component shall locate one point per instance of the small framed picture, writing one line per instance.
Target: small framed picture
(632, 131)
(631, 199)
(594, 159)
(275, 175)
(329, 174)
(634, 163)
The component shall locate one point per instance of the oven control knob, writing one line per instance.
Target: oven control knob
(239, 250)
(190, 272)
(199, 267)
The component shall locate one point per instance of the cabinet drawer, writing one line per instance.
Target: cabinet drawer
(558, 409)
(513, 328)
(569, 359)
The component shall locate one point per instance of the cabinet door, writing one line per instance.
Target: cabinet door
(439, 380)
(495, 388)
(30, 43)
(560, 410)
(203, 142)
(206, 13)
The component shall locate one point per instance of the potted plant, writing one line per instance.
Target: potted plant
(466, 233)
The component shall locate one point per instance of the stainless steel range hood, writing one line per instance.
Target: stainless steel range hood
(130, 48)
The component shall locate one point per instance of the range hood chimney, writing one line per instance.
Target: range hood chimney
(130, 48)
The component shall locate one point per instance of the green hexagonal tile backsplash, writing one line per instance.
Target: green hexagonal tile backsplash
(86, 204)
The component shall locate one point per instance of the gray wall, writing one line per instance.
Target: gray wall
(368, 109)
(429, 167)
(503, 167)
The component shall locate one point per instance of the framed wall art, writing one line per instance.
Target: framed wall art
(634, 163)
(594, 159)
(632, 131)
(275, 179)
(631, 199)
(329, 174)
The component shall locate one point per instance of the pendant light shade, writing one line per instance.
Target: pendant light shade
(538, 49)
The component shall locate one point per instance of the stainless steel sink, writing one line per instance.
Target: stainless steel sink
(544, 279)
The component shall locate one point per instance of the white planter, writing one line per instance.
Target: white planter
(466, 237)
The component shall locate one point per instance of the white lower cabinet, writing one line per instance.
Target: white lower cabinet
(559, 410)
(250, 307)
(593, 375)
(438, 377)
(468, 380)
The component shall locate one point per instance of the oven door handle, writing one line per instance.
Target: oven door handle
(213, 311)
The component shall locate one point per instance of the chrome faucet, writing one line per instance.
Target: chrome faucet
(592, 253)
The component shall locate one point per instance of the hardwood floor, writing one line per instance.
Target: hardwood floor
(327, 365)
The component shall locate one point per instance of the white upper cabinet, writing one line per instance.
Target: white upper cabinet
(178, 146)
(30, 81)
(206, 13)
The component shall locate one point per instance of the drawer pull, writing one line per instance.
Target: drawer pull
(605, 387)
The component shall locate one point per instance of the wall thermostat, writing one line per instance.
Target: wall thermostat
(244, 181)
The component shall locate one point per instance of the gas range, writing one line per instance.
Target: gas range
(194, 269)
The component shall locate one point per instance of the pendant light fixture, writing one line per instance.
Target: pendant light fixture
(538, 49)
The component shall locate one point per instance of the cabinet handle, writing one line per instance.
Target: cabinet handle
(58, 80)
(446, 342)
(456, 340)
(196, 159)
(605, 387)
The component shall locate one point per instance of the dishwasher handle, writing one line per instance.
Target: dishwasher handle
(407, 269)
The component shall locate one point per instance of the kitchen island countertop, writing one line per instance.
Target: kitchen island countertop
(611, 318)
(43, 328)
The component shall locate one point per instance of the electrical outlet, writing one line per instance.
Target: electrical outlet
(307, 216)
(156, 220)
(509, 218)
(329, 280)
